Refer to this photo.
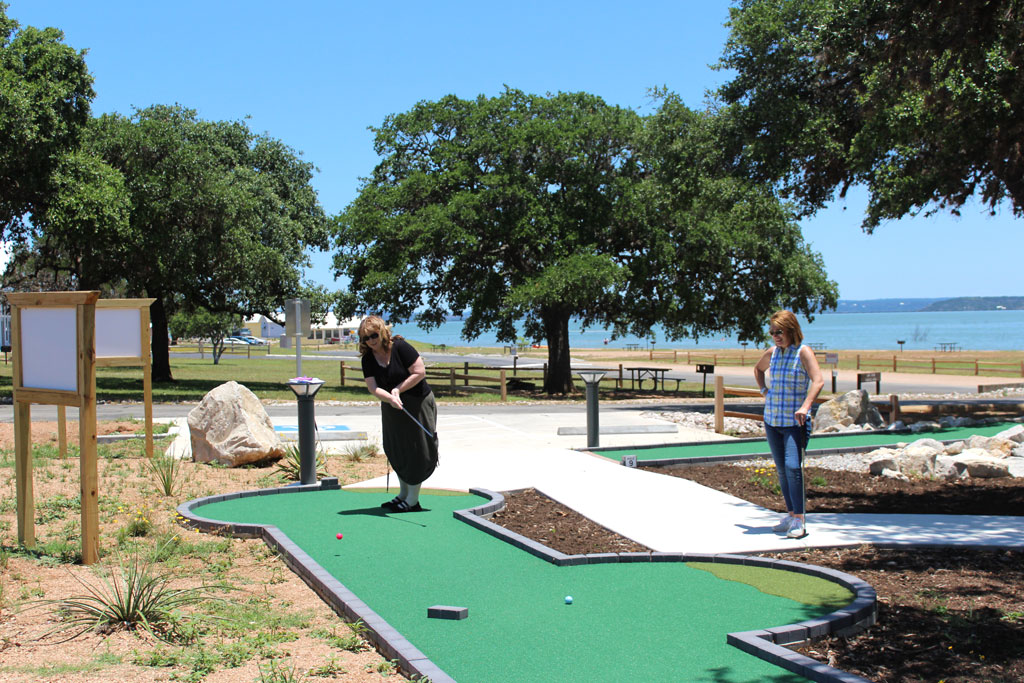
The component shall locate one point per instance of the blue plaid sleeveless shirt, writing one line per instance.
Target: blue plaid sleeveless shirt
(787, 389)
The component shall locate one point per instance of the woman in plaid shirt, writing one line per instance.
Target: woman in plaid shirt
(795, 381)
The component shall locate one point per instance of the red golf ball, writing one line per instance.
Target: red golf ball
(340, 535)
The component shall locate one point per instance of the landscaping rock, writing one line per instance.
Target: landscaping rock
(852, 408)
(926, 426)
(994, 445)
(978, 463)
(1014, 433)
(230, 427)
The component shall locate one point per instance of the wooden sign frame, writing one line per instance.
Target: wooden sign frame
(28, 389)
(107, 359)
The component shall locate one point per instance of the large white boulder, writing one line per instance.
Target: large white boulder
(230, 427)
(1014, 433)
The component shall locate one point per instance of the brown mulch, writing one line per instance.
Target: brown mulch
(950, 615)
(839, 491)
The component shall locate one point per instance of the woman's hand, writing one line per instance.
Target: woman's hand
(801, 415)
(395, 399)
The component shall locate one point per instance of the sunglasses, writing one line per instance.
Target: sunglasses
(369, 337)
(775, 333)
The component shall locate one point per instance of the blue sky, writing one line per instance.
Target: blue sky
(316, 73)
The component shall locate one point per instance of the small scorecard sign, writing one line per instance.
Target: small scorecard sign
(629, 460)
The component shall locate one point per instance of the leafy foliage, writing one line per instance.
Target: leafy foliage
(202, 324)
(559, 208)
(920, 101)
(290, 464)
(45, 91)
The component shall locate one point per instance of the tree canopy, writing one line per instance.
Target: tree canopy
(922, 102)
(194, 213)
(548, 209)
(45, 91)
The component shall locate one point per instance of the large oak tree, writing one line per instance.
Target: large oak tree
(920, 101)
(546, 209)
(197, 214)
(45, 91)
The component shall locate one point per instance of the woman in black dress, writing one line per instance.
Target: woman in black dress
(394, 373)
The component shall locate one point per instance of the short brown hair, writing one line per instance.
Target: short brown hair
(371, 324)
(786, 321)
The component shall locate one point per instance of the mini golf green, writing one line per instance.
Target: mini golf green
(628, 621)
(760, 446)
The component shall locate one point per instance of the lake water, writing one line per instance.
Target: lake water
(971, 330)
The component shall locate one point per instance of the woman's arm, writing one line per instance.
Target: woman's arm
(417, 373)
(810, 363)
(761, 368)
(378, 393)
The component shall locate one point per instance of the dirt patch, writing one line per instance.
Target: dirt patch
(951, 615)
(274, 623)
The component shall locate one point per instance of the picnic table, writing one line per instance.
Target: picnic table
(632, 347)
(638, 375)
(947, 346)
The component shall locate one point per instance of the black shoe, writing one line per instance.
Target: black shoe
(392, 504)
(405, 507)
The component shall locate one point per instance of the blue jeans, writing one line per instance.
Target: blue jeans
(787, 446)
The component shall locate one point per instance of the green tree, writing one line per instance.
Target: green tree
(217, 218)
(544, 209)
(45, 91)
(921, 102)
(202, 324)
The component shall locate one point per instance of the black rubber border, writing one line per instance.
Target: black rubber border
(765, 643)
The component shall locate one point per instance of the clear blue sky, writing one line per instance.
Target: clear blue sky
(316, 73)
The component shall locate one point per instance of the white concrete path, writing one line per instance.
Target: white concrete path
(504, 451)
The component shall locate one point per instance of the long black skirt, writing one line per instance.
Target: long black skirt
(412, 454)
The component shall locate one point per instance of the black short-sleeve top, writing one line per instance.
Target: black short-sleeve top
(403, 355)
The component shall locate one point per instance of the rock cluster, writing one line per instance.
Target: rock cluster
(734, 426)
(230, 427)
(979, 456)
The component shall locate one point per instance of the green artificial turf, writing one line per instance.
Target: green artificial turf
(725, 448)
(628, 621)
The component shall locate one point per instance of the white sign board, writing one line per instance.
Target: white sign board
(118, 333)
(49, 348)
(629, 460)
(296, 317)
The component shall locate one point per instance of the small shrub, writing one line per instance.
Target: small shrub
(290, 465)
(361, 452)
(764, 478)
(130, 596)
(277, 673)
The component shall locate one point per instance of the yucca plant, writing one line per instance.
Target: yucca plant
(361, 451)
(128, 596)
(166, 471)
(290, 464)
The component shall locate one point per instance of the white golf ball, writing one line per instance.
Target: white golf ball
(568, 599)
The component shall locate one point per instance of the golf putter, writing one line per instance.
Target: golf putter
(805, 435)
(425, 430)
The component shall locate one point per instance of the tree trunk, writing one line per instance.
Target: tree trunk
(160, 344)
(556, 329)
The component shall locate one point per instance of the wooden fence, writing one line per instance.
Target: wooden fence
(721, 391)
(934, 365)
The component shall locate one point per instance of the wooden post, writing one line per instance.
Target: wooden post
(504, 389)
(452, 377)
(618, 384)
(719, 404)
(87, 433)
(465, 371)
(146, 343)
(62, 432)
(650, 354)
(975, 367)
(894, 362)
(23, 470)
(933, 365)
(894, 408)
(858, 361)
(342, 369)
(515, 365)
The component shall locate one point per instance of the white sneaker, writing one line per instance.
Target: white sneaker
(784, 524)
(797, 529)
